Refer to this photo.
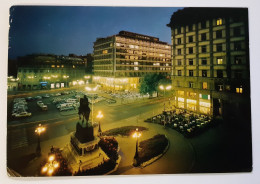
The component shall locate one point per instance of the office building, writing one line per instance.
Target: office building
(121, 60)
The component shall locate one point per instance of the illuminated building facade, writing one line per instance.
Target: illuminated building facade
(210, 57)
(50, 71)
(120, 60)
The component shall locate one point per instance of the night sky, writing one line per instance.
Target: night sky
(64, 30)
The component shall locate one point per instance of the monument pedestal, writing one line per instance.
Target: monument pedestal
(83, 151)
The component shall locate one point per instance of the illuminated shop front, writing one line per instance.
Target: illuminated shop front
(204, 104)
(117, 84)
(181, 102)
(191, 104)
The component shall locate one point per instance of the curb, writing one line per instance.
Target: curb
(116, 167)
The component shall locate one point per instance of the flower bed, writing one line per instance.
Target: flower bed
(110, 146)
(123, 131)
(151, 148)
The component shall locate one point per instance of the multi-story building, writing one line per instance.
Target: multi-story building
(120, 60)
(50, 71)
(210, 60)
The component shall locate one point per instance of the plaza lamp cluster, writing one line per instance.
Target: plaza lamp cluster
(50, 166)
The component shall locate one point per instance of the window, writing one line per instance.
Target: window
(191, 73)
(190, 50)
(219, 22)
(190, 61)
(219, 47)
(189, 28)
(219, 34)
(203, 61)
(179, 30)
(239, 89)
(53, 66)
(190, 39)
(219, 74)
(219, 61)
(203, 25)
(179, 51)
(203, 37)
(104, 52)
(237, 31)
(179, 62)
(191, 84)
(179, 40)
(204, 85)
(203, 49)
(238, 60)
(238, 74)
(179, 72)
(220, 87)
(237, 46)
(204, 73)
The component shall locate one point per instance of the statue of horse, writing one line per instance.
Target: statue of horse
(84, 109)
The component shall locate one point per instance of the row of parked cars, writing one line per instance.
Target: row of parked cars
(65, 104)
(20, 108)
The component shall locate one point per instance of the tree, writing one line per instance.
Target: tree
(149, 84)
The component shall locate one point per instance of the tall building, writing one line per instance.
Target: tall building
(210, 60)
(120, 60)
(41, 71)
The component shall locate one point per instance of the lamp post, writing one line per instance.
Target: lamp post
(66, 77)
(136, 157)
(164, 88)
(99, 116)
(40, 129)
(92, 100)
(50, 166)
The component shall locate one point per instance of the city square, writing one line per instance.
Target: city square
(136, 104)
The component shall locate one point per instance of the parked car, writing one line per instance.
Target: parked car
(110, 101)
(66, 108)
(38, 97)
(29, 99)
(22, 114)
(46, 96)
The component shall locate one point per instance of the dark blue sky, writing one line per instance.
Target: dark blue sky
(63, 30)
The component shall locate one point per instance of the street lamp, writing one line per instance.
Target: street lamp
(136, 157)
(99, 116)
(92, 100)
(164, 88)
(40, 129)
(66, 77)
(50, 167)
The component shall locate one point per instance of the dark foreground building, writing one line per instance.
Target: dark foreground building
(210, 54)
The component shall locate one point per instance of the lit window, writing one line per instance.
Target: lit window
(219, 61)
(220, 87)
(62, 66)
(73, 66)
(204, 85)
(58, 66)
(239, 90)
(219, 22)
(53, 66)
(104, 52)
(136, 68)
